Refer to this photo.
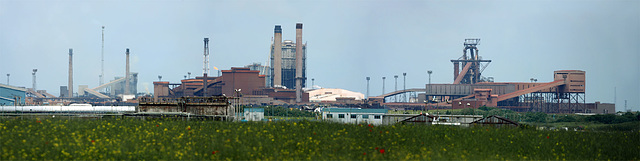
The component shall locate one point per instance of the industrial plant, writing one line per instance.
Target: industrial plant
(284, 83)
(472, 90)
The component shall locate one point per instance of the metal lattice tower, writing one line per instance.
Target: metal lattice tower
(471, 64)
(205, 63)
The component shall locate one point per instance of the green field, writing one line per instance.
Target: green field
(169, 139)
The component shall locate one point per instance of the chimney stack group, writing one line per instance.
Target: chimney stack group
(277, 60)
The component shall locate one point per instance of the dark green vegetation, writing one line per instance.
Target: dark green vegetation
(172, 139)
(286, 112)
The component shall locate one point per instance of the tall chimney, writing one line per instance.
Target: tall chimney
(34, 79)
(299, 62)
(126, 77)
(277, 56)
(205, 68)
(70, 73)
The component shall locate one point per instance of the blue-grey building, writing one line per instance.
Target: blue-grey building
(10, 94)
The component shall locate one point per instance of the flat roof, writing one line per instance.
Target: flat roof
(13, 87)
(355, 110)
(254, 109)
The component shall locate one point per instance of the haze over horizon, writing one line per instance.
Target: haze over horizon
(347, 40)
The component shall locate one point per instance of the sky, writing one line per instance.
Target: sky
(347, 40)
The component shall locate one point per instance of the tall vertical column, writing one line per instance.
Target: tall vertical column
(299, 62)
(476, 68)
(205, 68)
(126, 77)
(102, 59)
(70, 94)
(34, 79)
(456, 70)
(277, 56)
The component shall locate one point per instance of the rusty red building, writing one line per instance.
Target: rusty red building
(247, 84)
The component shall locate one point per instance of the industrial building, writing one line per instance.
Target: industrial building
(263, 70)
(335, 95)
(237, 82)
(354, 115)
(254, 114)
(283, 83)
(10, 95)
(283, 65)
(472, 90)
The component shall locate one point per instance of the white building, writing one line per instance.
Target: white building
(254, 114)
(330, 95)
(354, 115)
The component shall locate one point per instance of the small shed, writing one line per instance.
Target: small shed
(495, 121)
(254, 114)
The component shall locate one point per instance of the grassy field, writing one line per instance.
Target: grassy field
(166, 139)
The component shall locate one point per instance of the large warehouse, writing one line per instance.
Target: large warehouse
(10, 94)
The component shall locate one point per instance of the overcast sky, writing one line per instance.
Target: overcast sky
(347, 40)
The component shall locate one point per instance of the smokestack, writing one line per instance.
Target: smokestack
(126, 77)
(277, 56)
(34, 79)
(205, 68)
(70, 73)
(299, 62)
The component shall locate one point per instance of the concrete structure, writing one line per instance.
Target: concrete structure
(276, 58)
(600, 108)
(127, 90)
(119, 85)
(81, 90)
(64, 91)
(288, 64)
(242, 79)
(70, 86)
(333, 95)
(9, 95)
(299, 76)
(264, 70)
(354, 115)
(254, 114)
